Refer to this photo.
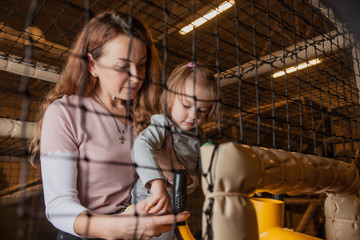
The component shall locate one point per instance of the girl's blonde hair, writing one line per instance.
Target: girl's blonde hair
(175, 84)
(76, 78)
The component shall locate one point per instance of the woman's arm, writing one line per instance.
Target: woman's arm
(123, 226)
(59, 158)
(59, 174)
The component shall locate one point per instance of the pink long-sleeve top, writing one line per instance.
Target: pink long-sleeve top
(84, 165)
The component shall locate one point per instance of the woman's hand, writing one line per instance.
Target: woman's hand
(126, 225)
(149, 226)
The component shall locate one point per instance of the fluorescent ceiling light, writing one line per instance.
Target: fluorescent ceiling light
(296, 68)
(223, 7)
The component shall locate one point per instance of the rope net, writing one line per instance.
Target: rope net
(287, 74)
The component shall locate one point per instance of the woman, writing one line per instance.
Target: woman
(87, 125)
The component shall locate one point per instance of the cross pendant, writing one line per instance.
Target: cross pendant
(121, 138)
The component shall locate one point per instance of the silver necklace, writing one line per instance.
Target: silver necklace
(121, 138)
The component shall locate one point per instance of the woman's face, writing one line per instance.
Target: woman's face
(121, 73)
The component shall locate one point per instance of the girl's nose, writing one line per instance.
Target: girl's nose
(192, 113)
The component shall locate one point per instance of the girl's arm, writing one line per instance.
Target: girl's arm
(146, 145)
(166, 166)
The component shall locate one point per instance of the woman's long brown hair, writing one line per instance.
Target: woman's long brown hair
(76, 78)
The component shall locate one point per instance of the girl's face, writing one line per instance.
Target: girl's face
(121, 73)
(184, 110)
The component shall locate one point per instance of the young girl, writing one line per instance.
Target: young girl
(190, 98)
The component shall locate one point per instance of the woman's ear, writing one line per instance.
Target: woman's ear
(91, 63)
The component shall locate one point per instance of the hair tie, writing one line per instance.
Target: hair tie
(191, 64)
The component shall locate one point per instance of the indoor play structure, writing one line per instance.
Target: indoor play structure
(234, 172)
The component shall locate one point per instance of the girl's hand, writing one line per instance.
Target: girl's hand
(159, 202)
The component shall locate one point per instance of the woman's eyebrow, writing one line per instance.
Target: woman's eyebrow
(144, 57)
(128, 60)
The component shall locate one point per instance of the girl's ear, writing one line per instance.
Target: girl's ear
(170, 101)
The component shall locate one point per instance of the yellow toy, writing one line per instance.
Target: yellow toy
(270, 219)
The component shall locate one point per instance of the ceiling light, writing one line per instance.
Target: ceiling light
(296, 68)
(222, 7)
